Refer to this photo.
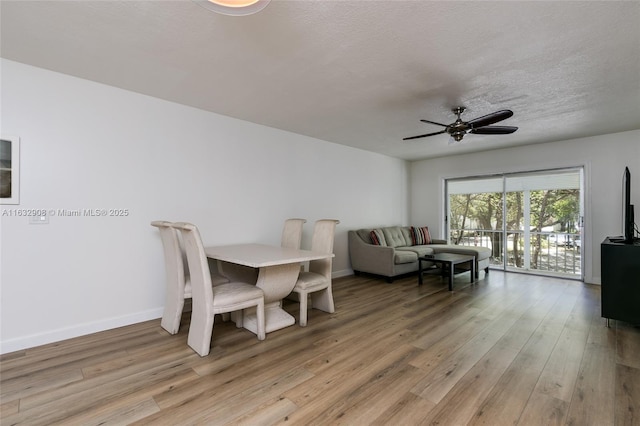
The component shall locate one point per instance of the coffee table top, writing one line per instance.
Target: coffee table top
(449, 257)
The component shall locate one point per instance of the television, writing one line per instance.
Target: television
(628, 223)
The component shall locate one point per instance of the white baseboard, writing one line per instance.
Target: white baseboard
(342, 273)
(31, 341)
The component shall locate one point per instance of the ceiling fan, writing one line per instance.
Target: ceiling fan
(479, 126)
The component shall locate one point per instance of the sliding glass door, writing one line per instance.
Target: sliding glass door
(531, 221)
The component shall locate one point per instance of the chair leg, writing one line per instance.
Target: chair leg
(303, 308)
(323, 300)
(200, 331)
(260, 320)
(172, 315)
(239, 318)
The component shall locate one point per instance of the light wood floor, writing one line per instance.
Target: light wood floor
(511, 349)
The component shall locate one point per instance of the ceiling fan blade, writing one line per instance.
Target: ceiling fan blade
(433, 122)
(494, 130)
(490, 118)
(423, 136)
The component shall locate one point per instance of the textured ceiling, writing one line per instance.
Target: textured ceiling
(359, 73)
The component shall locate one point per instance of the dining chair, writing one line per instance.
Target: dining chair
(178, 285)
(208, 300)
(292, 233)
(317, 280)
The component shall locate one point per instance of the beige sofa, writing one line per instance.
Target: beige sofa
(398, 255)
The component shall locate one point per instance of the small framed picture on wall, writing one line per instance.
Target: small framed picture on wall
(9, 170)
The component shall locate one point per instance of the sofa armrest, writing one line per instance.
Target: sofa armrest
(370, 258)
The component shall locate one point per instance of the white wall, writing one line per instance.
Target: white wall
(604, 158)
(89, 146)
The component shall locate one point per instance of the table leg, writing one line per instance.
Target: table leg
(276, 282)
(451, 273)
(473, 270)
(275, 318)
(419, 271)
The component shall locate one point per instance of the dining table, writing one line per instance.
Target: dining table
(274, 269)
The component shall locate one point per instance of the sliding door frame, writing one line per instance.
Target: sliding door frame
(584, 203)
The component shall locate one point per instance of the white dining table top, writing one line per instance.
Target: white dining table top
(262, 255)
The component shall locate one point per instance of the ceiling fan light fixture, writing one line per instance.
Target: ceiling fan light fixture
(457, 136)
(234, 7)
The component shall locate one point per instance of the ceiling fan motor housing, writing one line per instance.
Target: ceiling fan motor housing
(458, 129)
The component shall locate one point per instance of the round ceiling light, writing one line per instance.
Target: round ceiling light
(234, 7)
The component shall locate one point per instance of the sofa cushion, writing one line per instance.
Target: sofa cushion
(420, 236)
(394, 237)
(418, 250)
(406, 233)
(481, 253)
(404, 256)
(377, 237)
(365, 235)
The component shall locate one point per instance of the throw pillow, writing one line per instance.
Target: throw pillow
(377, 238)
(420, 236)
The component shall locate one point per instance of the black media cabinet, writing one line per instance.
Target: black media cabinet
(620, 281)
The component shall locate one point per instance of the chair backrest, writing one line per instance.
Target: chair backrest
(201, 293)
(292, 233)
(324, 232)
(174, 263)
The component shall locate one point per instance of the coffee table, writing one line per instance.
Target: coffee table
(448, 262)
